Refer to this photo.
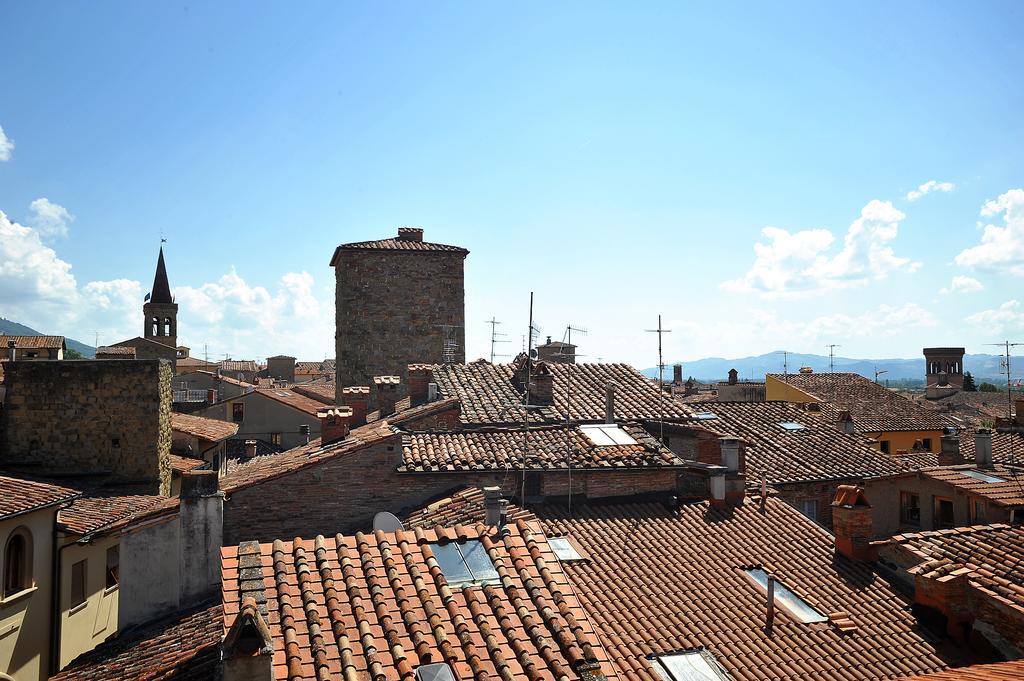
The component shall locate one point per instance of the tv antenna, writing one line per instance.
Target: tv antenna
(496, 337)
(831, 356)
(879, 373)
(661, 376)
(571, 354)
(568, 409)
(1005, 362)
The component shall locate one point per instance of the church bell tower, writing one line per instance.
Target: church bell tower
(160, 312)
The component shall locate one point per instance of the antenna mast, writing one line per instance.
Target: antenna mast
(495, 337)
(661, 375)
(526, 400)
(1009, 394)
(568, 407)
(831, 356)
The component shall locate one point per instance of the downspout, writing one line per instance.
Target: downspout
(55, 601)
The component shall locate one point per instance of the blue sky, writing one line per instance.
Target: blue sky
(619, 161)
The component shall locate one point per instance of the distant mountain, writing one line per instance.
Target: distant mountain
(982, 367)
(16, 329)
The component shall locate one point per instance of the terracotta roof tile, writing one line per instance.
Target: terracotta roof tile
(183, 464)
(397, 244)
(1007, 448)
(292, 399)
(119, 351)
(321, 392)
(1009, 492)
(182, 647)
(1000, 671)
(379, 606)
(31, 342)
(238, 365)
(327, 368)
(465, 506)
(20, 495)
(213, 430)
(874, 407)
(104, 509)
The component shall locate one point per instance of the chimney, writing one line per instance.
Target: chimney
(844, 422)
(211, 395)
(950, 454)
(431, 392)
(983, 447)
(333, 424)
(609, 402)
(357, 397)
(852, 524)
(734, 377)
(304, 431)
(247, 653)
(716, 485)
(730, 453)
(496, 507)
(542, 385)
(201, 524)
(420, 376)
(387, 393)
(410, 234)
(677, 374)
(250, 448)
(12, 351)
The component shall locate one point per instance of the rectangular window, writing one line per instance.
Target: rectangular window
(275, 439)
(910, 509)
(883, 445)
(791, 426)
(809, 507)
(694, 665)
(465, 563)
(943, 514)
(237, 412)
(565, 549)
(78, 577)
(786, 599)
(607, 435)
(113, 565)
(926, 444)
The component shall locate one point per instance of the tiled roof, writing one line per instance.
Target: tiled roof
(464, 507)
(18, 495)
(992, 552)
(489, 395)
(1007, 448)
(29, 342)
(973, 407)
(261, 468)
(213, 430)
(874, 407)
(661, 579)
(119, 350)
(238, 365)
(1000, 671)
(817, 452)
(405, 414)
(322, 392)
(183, 464)
(379, 606)
(236, 449)
(1010, 492)
(396, 244)
(326, 367)
(192, 362)
(292, 399)
(502, 449)
(105, 510)
(181, 647)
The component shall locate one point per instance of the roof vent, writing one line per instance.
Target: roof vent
(410, 234)
(435, 672)
(387, 522)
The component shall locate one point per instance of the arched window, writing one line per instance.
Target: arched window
(17, 562)
(168, 327)
(155, 327)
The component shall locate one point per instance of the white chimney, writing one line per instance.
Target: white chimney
(983, 447)
(12, 351)
(730, 453)
(496, 507)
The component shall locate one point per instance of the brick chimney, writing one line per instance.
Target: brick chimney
(201, 531)
(983, 447)
(950, 453)
(410, 233)
(496, 507)
(852, 524)
(420, 377)
(333, 424)
(609, 402)
(387, 393)
(250, 448)
(844, 423)
(357, 397)
(677, 374)
(247, 653)
(542, 384)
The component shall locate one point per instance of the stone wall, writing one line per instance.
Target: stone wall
(389, 306)
(97, 416)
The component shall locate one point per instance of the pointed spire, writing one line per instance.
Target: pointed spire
(161, 292)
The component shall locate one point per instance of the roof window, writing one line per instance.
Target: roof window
(693, 665)
(607, 435)
(789, 601)
(565, 549)
(465, 563)
(792, 426)
(984, 477)
(435, 672)
(705, 416)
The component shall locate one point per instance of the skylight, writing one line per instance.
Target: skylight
(465, 563)
(785, 598)
(791, 425)
(705, 416)
(984, 477)
(435, 672)
(607, 435)
(695, 665)
(564, 549)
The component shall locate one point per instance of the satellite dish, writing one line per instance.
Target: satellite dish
(533, 353)
(387, 522)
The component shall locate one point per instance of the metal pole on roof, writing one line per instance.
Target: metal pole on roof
(1009, 395)
(495, 336)
(661, 378)
(526, 410)
(831, 356)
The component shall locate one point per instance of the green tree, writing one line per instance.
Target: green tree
(71, 353)
(988, 388)
(969, 385)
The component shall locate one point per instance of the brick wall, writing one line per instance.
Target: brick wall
(90, 416)
(389, 305)
(824, 493)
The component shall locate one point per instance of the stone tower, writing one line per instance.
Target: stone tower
(398, 301)
(160, 312)
(944, 366)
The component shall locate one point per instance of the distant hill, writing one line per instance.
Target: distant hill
(982, 367)
(15, 329)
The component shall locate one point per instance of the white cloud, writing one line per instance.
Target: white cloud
(928, 187)
(50, 219)
(6, 146)
(30, 271)
(798, 263)
(962, 284)
(1006, 316)
(1001, 248)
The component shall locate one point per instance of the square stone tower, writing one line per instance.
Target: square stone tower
(944, 366)
(399, 301)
